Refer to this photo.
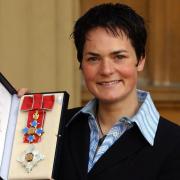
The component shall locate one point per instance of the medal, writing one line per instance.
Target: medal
(34, 129)
(30, 158)
(36, 105)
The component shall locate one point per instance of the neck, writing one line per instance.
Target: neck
(109, 113)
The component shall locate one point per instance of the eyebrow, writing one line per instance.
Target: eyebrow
(112, 53)
(118, 52)
(92, 54)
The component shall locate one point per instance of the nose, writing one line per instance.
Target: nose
(106, 67)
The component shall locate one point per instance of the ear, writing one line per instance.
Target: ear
(141, 64)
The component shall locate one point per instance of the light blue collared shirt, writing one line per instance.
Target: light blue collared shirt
(146, 118)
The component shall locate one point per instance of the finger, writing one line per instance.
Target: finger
(22, 91)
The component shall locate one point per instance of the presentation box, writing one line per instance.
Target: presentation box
(30, 131)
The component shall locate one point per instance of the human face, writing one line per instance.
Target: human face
(109, 66)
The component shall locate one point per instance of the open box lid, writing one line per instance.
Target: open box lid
(7, 94)
(5, 83)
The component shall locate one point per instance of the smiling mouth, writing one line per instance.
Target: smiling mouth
(109, 83)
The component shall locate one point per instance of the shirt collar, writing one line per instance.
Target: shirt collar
(146, 118)
(90, 108)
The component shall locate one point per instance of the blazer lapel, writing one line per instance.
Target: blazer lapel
(130, 142)
(78, 139)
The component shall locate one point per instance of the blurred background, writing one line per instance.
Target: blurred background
(36, 50)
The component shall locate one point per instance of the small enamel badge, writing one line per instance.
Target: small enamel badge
(29, 158)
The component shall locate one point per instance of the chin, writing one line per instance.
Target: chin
(109, 100)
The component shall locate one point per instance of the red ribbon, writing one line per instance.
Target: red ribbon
(36, 103)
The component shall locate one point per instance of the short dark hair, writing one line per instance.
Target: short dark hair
(112, 17)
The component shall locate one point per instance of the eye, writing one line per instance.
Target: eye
(92, 58)
(119, 57)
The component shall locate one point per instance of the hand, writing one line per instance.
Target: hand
(22, 91)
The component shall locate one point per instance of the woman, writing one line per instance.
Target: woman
(119, 134)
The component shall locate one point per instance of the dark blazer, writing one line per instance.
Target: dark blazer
(131, 157)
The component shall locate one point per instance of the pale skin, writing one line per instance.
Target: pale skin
(110, 70)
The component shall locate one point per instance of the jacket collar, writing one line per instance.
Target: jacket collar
(130, 142)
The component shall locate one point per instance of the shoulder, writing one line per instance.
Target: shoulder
(75, 120)
(73, 111)
(70, 113)
(168, 145)
(166, 125)
(167, 132)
